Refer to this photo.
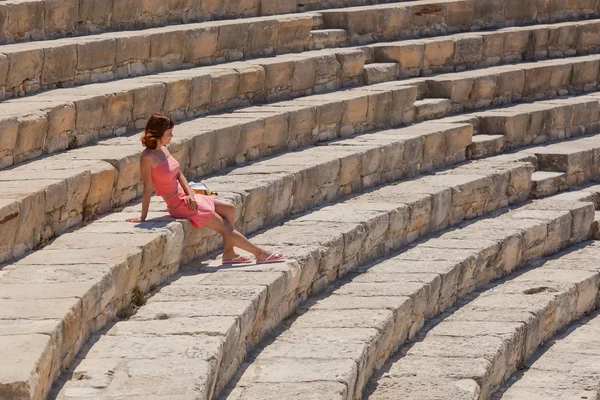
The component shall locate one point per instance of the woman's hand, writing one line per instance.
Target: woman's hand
(134, 220)
(192, 204)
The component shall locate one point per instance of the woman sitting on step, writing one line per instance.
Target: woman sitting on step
(160, 170)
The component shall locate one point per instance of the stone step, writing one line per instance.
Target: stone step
(546, 183)
(104, 57)
(56, 120)
(53, 121)
(236, 307)
(366, 24)
(45, 197)
(345, 334)
(264, 193)
(24, 20)
(566, 366)
(380, 72)
(320, 39)
(485, 146)
(431, 108)
(457, 52)
(475, 348)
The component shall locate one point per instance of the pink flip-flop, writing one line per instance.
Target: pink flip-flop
(273, 258)
(237, 260)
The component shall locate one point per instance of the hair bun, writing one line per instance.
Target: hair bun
(149, 142)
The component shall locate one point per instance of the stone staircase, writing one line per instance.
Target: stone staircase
(376, 145)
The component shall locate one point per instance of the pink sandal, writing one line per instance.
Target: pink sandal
(273, 258)
(237, 260)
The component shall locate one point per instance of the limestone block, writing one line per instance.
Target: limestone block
(379, 109)
(328, 69)
(589, 37)
(96, 12)
(177, 95)
(516, 42)
(147, 100)
(468, 51)
(540, 39)
(493, 47)
(510, 84)
(561, 76)
(127, 12)
(61, 122)
(132, 48)
(59, 64)
(24, 65)
(438, 53)
(262, 37)
(276, 131)
(96, 54)
(4, 64)
(244, 8)
(355, 110)
(90, 113)
(563, 38)
(537, 80)
(201, 92)
(61, 16)
(168, 46)
(31, 221)
(484, 89)
(118, 111)
(304, 74)
(31, 135)
(294, 33)
(394, 22)
(408, 56)
(226, 142)
(428, 15)
(457, 90)
(77, 188)
(521, 11)
(352, 62)
(329, 114)
(225, 86)
(278, 74)
(128, 177)
(302, 122)
(489, 13)
(458, 138)
(585, 73)
(551, 8)
(26, 18)
(215, 7)
(252, 79)
(201, 150)
(233, 36)
(10, 211)
(9, 128)
(460, 13)
(402, 101)
(200, 44)
(251, 136)
(274, 7)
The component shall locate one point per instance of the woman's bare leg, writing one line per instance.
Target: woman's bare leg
(217, 223)
(227, 212)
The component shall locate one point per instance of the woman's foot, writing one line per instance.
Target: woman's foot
(270, 257)
(235, 259)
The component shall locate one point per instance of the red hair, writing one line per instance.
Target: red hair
(156, 127)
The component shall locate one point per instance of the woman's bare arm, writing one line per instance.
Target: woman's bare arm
(146, 173)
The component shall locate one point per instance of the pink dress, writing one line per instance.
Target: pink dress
(164, 180)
